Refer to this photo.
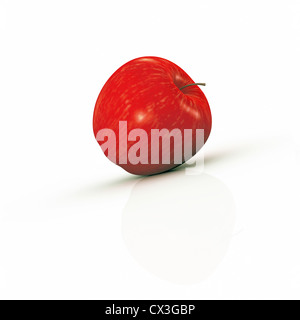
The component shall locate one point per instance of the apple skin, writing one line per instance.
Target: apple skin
(146, 93)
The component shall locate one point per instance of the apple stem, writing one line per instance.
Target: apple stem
(193, 84)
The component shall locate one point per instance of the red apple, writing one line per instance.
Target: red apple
(150, 93)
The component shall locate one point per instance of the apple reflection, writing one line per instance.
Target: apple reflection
(179, 226)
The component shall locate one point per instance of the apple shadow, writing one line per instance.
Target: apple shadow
(241, 152)
(179, 226)
(223, 157)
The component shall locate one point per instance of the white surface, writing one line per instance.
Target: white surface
(73, 225)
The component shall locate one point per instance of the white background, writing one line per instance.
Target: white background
(75, 226)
